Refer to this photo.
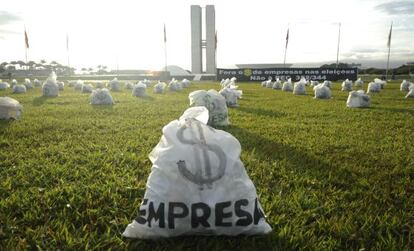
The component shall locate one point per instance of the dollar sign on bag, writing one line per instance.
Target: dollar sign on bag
(198, 177)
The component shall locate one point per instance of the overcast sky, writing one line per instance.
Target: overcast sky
(131, 32)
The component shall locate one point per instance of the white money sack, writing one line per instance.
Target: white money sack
(101, 97)
(198, 185)
(10, 108)
(215, 103)
(358, 99)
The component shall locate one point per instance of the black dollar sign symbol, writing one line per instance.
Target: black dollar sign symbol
(198, 178)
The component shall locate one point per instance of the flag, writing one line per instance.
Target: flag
(26, 39)
(165, 35)
(67, 42)
(389, 37)
(215, 41)
(287, 38)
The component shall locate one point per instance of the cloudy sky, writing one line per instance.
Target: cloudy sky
(130, 33)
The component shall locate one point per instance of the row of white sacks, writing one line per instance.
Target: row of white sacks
(322, 90)
(113, 85)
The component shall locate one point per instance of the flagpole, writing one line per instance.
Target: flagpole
(165, 48)
(337, 50)
(67, 52)
(25, 43)
(287, 39)
(215, 50)
(388, 63)
(389, 51)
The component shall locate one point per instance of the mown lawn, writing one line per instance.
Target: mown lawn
(72, 176)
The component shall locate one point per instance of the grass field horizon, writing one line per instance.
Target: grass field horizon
(328, 177)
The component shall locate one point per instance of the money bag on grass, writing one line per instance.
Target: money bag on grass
(358, 99)
(214, 102)
(198, 185)
(50, 88)
(10, 108)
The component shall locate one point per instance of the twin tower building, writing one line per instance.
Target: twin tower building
(198, 43)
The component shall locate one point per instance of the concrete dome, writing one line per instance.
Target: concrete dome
(176, 70)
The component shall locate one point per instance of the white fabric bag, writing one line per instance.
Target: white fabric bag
(359, 82)
(231, 95)
(410, 93)
(28, 84)
(101, 97)
(322, 92)
(19, 89)
(374, 87)
(78, 85)
(139, 90)
(37, 82)
(114, 85)
(287, 86)
(160, 87)
(4, 85)
(214, 102)
(347, 85)
(87, 88)
(198, 185)
(405, 85)
(50, 87)
(357, 99)
(299, 88)
(10, 108)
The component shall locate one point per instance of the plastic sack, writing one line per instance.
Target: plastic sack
(174, 85)
(160, 87)
(269, 83)
(382, 83)
(28, 83)
(78, 85)
(322, 92)
(359, 82)
(185, 83)
(114, 85)
(139, 90)
(405, 85)
(61, 85)
(225, 82)
(147, 82)
(129, 85)
(374, 87)
(347, 85)
(87, 88)
(10, 108)
(37, 82)
(357, 99)
(198, 185)
(299, 88)
(215, 104)
(50, 87)
(101, 97)
(231, 95)
(4, 85)
(19, 89)
(410, 93)
(277, 85)
(287, 86)
(14, 82)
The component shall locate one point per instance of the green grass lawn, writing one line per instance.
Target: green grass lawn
(72, 175)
